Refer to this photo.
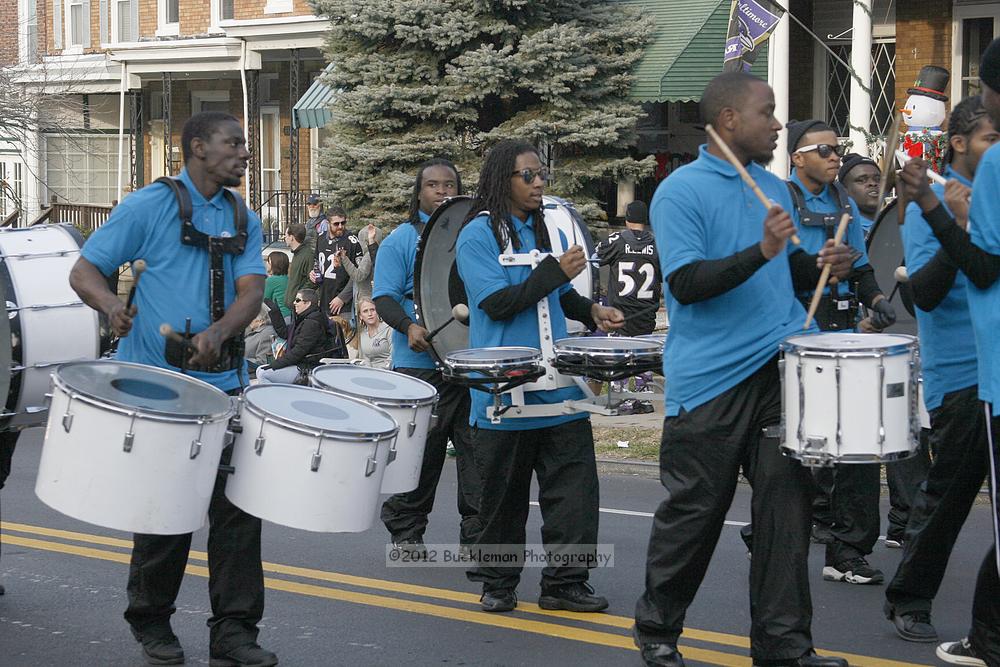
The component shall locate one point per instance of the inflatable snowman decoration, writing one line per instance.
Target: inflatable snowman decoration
(923, 113)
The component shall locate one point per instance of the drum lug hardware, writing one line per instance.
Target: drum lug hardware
(317, 456)
(196, 443)
(371, 463)
(127, 443)
(392, 452)
(67, 420)
(258, 444)
(412, 426)
(48, 399)
(819, 444)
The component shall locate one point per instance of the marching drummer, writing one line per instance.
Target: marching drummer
(731, 302)
(405, 514)
(503, 304)
(976, 252)
(175, 286)
(861, 177)
(948, 361)
(848, 519)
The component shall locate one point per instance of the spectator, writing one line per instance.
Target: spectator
(360, 271)
(277, 280)
(309, 338)
(302, 262)
(258, 335)
(315, 219)
(336, 289)
(374, 336)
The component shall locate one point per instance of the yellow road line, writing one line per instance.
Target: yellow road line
(622, 622)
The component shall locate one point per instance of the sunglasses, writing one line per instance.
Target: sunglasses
(529, 175)
(824, 150)
(298, 300)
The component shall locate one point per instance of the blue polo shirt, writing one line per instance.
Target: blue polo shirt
(866, 224)
(146, 225)
(394, 267)
(984, 304)
(947, 342)
(813, 238)
(478, 265)
(705, 211)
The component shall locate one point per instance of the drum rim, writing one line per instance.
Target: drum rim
(565, 346)
(298, 427)
(156, 415)
(911, 345)
(536, 357)
(380, 401)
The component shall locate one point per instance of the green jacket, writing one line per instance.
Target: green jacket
(298, 272)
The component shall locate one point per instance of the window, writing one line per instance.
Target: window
(77, 23)
(11, 185)
(125, 20)
(278, 6)
(82, 168)
(228, 12)
(973, 27)
(209, 100)
(221, 10)
(28, 22)
(168, 18)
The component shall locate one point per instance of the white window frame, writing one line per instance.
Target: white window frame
(279, 7)
(275, 157)
(960, 13)
(215, 17)
(199, 96)
(164, 29)
(24, 7)
(116, 20)
(69, 48)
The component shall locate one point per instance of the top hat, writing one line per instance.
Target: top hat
(931, 82)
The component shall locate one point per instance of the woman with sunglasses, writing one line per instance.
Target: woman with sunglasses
(306, 340)
(560, 449)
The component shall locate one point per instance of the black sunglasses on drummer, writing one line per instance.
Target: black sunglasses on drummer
(529, 175)
(824, 150)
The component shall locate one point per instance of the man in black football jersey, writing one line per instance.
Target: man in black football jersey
(336, 289)
(634, 283)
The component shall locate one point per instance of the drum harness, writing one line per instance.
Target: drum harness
(231, 353)
(839, 312)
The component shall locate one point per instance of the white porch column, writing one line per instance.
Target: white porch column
(860, 115)
(626, 194)
(777, 77)
(35, 192)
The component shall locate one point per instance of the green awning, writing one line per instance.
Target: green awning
(685, 51)
(313, 108)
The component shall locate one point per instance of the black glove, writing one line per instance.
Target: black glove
(883, 314)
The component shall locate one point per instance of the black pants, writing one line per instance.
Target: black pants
(985, 632)
(701, 454)
(905, 479)
(562, 457)
(958, 440)
(405, 514)
(235, 581)
(8, 441)
(850, 511)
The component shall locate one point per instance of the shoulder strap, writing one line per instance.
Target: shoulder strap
(184, 206)
(797, 197)
(842, 197)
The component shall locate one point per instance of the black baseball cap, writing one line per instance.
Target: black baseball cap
(637, 212)
(313, 199)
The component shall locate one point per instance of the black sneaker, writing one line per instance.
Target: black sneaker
(853, 571)
(499, 600)
(913, 626)
(644, 408)
(960, 653)
(656, 654)
(160, 648)
(577, 596)
(247, 655)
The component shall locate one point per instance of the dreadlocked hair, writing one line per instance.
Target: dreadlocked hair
(963, 121)
(493, 195)
(418, 183)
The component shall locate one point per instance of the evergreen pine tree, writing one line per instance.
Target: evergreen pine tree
(424, 78)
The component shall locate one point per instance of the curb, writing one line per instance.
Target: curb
(635, 468)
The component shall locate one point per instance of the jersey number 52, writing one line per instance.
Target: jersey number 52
(628, 285)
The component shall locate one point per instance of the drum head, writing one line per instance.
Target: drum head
(437, 288)
(849, 342)
(379, 386)
(885, 253)
(610, 345)
(143, 388)
(658, 338)
(309, 408)
(486, 357)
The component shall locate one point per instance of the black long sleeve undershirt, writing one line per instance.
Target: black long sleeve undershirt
(981, 267)
(868, 288)
(805, 273)
(933, 281)
(392, 313)
(507, 302)
(708, 278)
(577, 307)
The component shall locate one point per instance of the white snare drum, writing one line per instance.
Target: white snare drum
(310, 459)
(494, 369)
(49, 324)
(132, 447)
(410, 402)
(849, 398)
(607, 359)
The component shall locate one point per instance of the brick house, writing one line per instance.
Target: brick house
(140, 68)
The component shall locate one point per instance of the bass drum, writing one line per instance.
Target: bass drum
(437, 287)
(885, 253)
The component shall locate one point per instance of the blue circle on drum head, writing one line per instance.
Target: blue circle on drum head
(144, 389)
(374, 383)
(321, 410)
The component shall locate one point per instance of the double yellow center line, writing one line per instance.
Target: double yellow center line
(523, 620)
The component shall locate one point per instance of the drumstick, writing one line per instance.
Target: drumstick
(744, 174)
(460, 312)
(932, 175)
(825, 276)
(642, 311)
(138, 266)
(888, 157)
(168, 332)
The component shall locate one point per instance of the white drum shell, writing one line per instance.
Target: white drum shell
(155, 488)
(277, 482)
(39, 260)
(403, 473)
(846, 391)
(925, 417)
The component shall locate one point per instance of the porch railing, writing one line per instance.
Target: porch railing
(280, 208)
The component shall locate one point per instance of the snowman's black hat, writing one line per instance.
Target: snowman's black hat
(931, 82)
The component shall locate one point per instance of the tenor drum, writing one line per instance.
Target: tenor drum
(310, 459)
(607, 359)
(132, 447)
(849, 398)
(885, 253)
(408, 400)
(48, 322)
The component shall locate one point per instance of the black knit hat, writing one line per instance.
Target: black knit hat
(798, 129)
(989, 65)
(852, 160)
(637, 212)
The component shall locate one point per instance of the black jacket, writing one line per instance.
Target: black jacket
(310, 335)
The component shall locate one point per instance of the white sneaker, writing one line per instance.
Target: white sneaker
(960, 653)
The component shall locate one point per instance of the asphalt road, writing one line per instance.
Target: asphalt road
(331, 599)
